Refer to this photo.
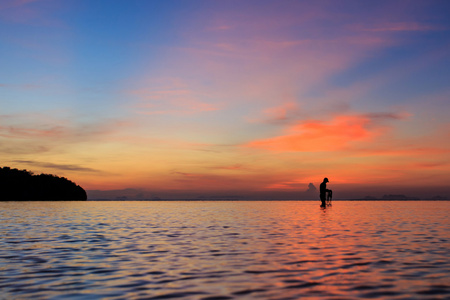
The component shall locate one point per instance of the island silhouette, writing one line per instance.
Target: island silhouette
(23, 185)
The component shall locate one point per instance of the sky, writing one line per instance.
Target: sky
(193, 98)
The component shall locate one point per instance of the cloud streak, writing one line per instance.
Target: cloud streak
(53, 166)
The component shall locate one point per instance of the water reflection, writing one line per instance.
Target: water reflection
(223, 250)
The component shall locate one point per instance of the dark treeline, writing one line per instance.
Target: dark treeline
(24, 185)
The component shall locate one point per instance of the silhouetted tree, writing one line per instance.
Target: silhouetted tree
(23, 185)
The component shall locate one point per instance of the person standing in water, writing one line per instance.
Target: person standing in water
(323, 192)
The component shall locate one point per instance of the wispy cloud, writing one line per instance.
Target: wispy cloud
(23, 132)
(296, 184)
(211, 181)
(9, 147)
(395, 150)
(53, 166)
(43, 126)
(184, 174)
(32, 12)
(282, 113)
(234, 167)
(170, 96)
(5, 4)
(400, 26)
(22, 11)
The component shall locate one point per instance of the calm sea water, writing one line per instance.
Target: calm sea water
(224, 250)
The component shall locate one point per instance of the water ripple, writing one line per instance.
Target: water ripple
(224, 250)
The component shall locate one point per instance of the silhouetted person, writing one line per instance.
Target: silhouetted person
(323, 192)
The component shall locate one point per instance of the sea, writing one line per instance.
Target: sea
(213, 250)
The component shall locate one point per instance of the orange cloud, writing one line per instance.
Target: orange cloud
(314, 135)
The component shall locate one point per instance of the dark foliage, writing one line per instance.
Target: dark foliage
(23, 185)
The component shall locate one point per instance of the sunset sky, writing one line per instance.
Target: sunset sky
(169, 98)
